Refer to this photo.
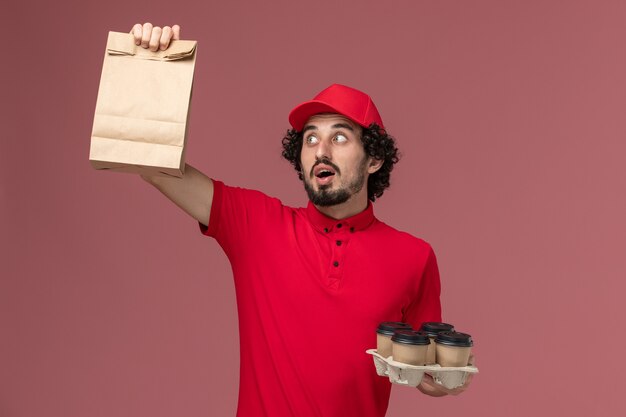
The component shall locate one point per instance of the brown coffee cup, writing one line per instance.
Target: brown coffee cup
(383, 336)
(453, 348)
(432, 329)
(410, 347)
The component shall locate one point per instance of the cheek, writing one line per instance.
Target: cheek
(306, 158)
(357, 160)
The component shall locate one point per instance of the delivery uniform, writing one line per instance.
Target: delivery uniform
(311, 291)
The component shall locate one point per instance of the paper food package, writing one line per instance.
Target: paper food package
(142, 112)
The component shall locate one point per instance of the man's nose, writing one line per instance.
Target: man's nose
(322, 150)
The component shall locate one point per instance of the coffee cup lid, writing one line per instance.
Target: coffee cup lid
(434, 327)
(410, 337)
(388, 327)
(454, 339)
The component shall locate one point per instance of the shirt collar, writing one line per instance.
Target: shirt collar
(326, 224)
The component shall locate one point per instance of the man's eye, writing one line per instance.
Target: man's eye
(340, 138)
(311, 139)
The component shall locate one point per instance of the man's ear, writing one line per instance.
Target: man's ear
(374, 165)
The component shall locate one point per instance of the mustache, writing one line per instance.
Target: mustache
(324, 161)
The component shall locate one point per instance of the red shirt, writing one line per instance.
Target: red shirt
(311, 291)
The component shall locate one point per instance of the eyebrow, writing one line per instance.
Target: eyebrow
(335, 126)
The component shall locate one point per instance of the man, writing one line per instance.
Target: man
(313, 283)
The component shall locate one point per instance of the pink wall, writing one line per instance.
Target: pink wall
(510, 117)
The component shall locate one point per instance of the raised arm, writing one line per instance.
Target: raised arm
(194, 191)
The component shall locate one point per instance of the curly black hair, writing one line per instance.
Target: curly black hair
(376, 143)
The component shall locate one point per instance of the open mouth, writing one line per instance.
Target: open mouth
(324, 174)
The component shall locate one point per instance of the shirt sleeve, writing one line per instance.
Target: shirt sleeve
(238, 215)
(426, 306)
(216, 210)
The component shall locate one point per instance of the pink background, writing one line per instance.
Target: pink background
(510, 117)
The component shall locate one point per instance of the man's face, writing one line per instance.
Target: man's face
(334, 163)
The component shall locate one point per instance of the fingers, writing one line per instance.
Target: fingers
(136, 31)
(472, 361)
(430, 387)
(146, 34)
(166, 36)
(154, 37)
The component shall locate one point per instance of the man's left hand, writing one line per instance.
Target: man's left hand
(428, 385)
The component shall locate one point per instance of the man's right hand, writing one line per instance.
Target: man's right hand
(154, 37)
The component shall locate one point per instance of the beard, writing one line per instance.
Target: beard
(325, 197)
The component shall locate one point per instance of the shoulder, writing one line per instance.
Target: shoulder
(254, 202)
(402, 238)
(238, 213)
(232, 192)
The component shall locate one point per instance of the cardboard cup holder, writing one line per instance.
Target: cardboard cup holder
(411, 375)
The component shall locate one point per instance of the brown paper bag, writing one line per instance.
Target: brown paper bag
(142, 111)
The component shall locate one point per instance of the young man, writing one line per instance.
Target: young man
(313, 283)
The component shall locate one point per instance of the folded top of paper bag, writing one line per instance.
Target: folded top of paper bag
(124, 44)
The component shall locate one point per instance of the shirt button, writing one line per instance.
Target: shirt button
(338, 243)
(339, 226)
(326, 230)
(335, 263)
(352, 230)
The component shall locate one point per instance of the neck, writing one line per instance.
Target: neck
(355, 205)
